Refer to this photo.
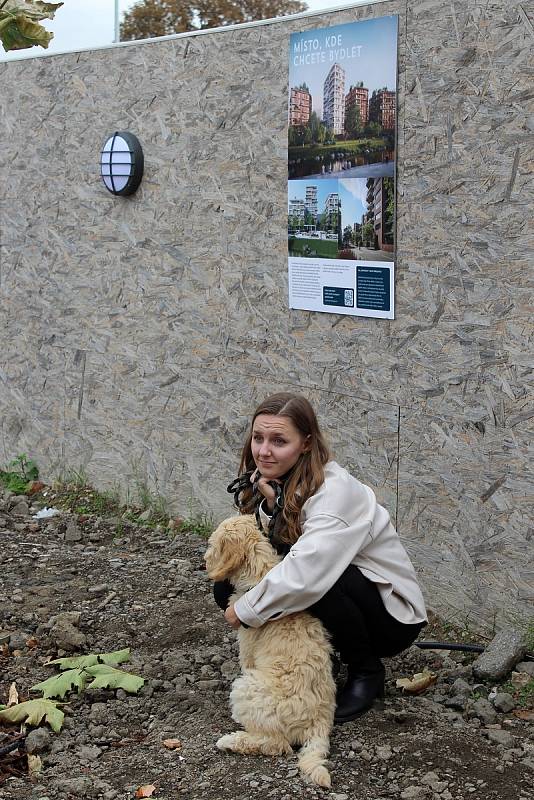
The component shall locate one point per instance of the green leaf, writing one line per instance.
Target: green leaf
(35, 9)
(19, 26)
(19, 33)
(32, 471)
(81, 662)
(59, 685)
(116, 657)
(47, 9)
(109, 678)
(33, 711)
(14, 482)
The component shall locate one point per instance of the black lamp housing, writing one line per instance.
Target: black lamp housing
(122, 163)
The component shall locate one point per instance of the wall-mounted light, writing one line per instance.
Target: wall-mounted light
(121, 163)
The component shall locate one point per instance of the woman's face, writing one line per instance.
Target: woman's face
(276, 445)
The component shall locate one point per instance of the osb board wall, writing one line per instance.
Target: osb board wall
(138, 334)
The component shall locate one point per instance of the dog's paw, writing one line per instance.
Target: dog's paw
(320, 777)
(227, 742)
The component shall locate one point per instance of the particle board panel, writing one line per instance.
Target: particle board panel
(465, 508)
(144, 330)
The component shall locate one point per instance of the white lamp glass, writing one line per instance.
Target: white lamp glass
(121, 163)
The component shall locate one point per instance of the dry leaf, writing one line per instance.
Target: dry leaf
(418, 683)
(34, 764)
(34, 487)
(13, 697)
(146, 791)
(172, 744)
(524, 713)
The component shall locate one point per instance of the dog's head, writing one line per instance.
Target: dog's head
(231, 545)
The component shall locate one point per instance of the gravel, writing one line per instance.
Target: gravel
(63, 595)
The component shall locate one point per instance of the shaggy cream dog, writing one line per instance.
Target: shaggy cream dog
(286, 694)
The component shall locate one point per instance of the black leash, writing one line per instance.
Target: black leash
(238, 486)
(466, 648)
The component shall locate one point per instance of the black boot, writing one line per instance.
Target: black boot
(358, 694)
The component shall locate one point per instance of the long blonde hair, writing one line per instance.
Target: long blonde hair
(306, 476)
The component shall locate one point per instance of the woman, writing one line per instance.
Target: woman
(344, 561)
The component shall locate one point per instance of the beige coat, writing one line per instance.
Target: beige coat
(342, 524)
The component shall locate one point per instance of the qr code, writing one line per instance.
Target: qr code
(349, 297)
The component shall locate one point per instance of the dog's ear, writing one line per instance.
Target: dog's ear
(224, 555)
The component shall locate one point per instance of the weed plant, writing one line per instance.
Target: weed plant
(523, 696)
(73, 492)
(199, 524)
(18, 474)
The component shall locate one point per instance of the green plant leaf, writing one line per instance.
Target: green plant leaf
(59, 685)
(20, 32)
(81, 662)
(116, 657)
(33, 711)
(32, 471)
(22, 470)
(14, 482)
(47, 9)
(107, 677)
(19, 26)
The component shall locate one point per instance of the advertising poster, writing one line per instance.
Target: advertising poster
(341, 168)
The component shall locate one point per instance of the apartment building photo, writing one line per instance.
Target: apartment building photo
(300, 106)
(358, 96)
(382, 108)
(334, 99)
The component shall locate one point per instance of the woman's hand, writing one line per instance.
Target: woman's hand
(266, 490)
(232, 618)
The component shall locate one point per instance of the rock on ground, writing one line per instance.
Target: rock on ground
(500, 656)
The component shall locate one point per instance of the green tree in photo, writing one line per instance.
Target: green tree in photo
(373, 130)
(296, 135)
(316, 128)
(388, 190)
(353, 123)
(347, 236)
(309, 219)
(293, 222)
(332, 221)
(368, 234)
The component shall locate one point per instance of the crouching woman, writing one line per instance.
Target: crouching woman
(343, 560)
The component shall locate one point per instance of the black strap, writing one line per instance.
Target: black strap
(241, 483)
(238, 486)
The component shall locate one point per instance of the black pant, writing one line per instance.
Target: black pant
(361, 629)
(352, 611)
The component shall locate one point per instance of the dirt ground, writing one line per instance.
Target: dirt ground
(148, 591)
